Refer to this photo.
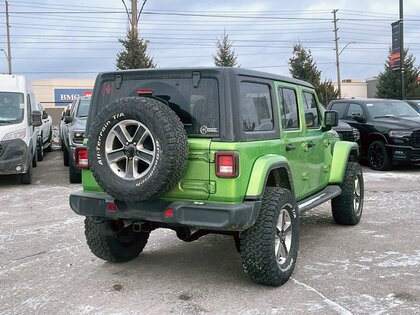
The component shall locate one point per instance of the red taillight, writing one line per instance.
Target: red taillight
(144, 91)
(227, 164)
(81, 157)
(111, 206)
(169, 213)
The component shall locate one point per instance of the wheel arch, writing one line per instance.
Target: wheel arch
(269, 171)
(343, 152)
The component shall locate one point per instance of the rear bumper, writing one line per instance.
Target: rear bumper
(220, 217)
(14, 154)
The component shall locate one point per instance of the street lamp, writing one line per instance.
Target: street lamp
(8, 60)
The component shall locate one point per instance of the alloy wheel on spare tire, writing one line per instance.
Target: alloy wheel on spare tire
(137, 149)
(378, 156)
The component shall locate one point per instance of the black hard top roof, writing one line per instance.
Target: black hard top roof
(236, 71)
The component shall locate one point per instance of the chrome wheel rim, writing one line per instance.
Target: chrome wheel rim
(130, 149)
(283, 237)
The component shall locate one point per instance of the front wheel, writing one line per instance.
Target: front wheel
(378, 156)
(269, 248)
(114, 240)
(348, 206)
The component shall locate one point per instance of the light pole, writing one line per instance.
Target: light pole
(8, 60)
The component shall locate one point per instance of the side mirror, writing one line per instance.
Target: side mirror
(330, 119)
(44, 114)
(36, 119)
(68, 119)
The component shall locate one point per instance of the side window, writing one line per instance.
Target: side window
(311, 110)
(355, 110)
(256, 107)
(340, 108)
(289, 108)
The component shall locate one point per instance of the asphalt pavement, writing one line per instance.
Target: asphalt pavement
(46, 266)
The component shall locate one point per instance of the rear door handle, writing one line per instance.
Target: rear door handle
(290, 147)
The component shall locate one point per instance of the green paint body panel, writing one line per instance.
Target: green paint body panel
(262, 166)
(341, 155)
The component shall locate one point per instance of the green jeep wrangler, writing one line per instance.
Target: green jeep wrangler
(214, 150)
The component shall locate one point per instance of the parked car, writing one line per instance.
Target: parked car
(18, 122)
(415, 104)
(44, 143)
(389, 129)
(216, 150)
(73, 133)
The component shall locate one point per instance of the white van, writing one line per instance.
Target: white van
(18, 123)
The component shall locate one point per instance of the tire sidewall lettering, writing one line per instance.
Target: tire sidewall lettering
(102, 136)
(154, 167)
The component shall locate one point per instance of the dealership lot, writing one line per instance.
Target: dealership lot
(46, 266)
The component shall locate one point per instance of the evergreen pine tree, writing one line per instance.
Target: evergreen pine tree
(389, 81)
(303, 67)
(326, 92)
(225, 53)
(134, 55)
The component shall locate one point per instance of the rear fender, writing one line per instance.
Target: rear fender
(343, 152)
(269, 170)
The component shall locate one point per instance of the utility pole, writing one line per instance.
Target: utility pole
(402, 51)
(9, 51)
(134, 21)
(337, 54)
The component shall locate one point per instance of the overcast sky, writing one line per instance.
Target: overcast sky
(54, 39)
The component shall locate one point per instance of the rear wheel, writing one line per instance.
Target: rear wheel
(348, 206)
(48, 148)
(66, 155)
(378, 156)
(40, 150)
(113, 240)
(74, 176)
(269, 248)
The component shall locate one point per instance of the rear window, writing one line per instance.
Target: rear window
(197, 106)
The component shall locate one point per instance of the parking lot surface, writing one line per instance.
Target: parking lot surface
(47, 268)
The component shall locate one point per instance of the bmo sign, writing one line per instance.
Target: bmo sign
(62, 97)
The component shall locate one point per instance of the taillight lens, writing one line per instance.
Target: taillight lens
(81, 158)
(227, 164)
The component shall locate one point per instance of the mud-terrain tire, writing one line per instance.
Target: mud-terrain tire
(137, 149)
(111, 241)
(378, 156)
(269, 248)
(347, 207)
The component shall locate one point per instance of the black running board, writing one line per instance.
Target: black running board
(315, 200)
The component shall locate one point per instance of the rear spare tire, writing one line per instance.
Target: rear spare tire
(137, 149)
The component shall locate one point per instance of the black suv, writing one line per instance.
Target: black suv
(389, 129)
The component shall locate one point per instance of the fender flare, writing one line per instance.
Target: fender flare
(343, 151)
(260, 174)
